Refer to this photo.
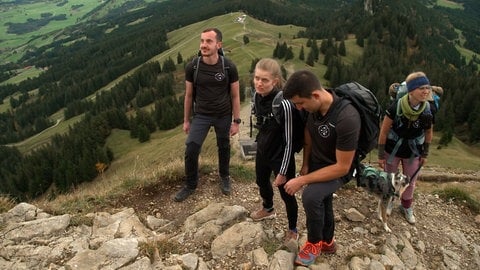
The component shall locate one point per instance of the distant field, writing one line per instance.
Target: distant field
(22, 13)
(30, 15)
(449, 4)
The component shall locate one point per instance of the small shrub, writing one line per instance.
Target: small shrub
(83, 205)
(78, 220)
(162, 247)
(270, 246)
(242, 173)
(6, 203)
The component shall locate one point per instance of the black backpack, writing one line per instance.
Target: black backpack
(370, 114)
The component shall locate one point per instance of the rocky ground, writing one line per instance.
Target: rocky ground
(437, 221)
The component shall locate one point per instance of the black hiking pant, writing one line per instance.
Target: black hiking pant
(199, 128)
(317, 199)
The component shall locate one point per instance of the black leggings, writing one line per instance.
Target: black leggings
(263, 169)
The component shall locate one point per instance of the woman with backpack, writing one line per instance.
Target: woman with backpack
(274, 143)
(405, 136)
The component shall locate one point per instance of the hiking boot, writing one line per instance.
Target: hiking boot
(263, 214)
(389, 208)
(308, 254)
(291, 235)
(329, 248)
(408, 212)
(183, 194)
(225, 185)
(291, 240)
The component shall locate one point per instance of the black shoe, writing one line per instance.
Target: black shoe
(225, 185)
(183, 194)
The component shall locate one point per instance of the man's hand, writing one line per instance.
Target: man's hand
(294, 185)
(186, 127)
(234, 128)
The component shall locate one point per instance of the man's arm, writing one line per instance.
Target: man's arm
(187, 106)
(337, 170)
(235, 94)
(328, 173)
(307, 150)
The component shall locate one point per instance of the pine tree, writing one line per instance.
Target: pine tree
(301, 55)
(179, 58)
(289, 54)
(342, 50)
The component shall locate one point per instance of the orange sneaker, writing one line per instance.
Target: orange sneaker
(329, 248)
(308, 254)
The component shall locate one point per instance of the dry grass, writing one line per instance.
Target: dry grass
(459, 197)
(160, 248)
(6, 203)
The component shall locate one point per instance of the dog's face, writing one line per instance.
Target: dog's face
(399, 182)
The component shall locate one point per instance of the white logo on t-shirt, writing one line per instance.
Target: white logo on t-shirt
(219, 76)
(324, 131)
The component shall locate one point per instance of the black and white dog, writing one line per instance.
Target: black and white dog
(386, 186)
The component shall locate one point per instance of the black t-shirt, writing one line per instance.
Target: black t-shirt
(212, 88)
(326, 138)
(408, 130)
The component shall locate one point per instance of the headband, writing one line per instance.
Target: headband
(417, 82)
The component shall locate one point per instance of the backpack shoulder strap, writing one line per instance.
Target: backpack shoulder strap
(196, 63)
(276, 104)
(339, 106)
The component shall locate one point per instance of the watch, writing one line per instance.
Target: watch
(237, 120)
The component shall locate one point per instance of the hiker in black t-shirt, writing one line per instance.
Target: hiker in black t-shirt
(214, 97)
(327, 156)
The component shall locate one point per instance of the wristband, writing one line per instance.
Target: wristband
(381, 151)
